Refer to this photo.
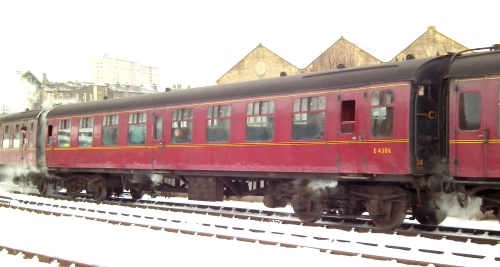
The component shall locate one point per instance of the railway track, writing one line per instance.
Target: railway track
(44, 258)
(356, 224)
(270, 229)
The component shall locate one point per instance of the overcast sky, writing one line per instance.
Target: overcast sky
(196, 42)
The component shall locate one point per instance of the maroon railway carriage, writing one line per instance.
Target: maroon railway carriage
(370, 139)
(19, 146)
(474, 126)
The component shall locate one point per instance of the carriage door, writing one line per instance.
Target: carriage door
(158, 143)
(351, 133)
(492, 121)
(468, 132)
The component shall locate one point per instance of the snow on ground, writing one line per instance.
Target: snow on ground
(104, 244)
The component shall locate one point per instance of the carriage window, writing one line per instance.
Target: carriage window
(381, 113)
(6, 135)
(308, 118)
(260, 121)
(85, 132)
(110, 130)
(218, 123)
(347, 116)
(63, 133)
(158, 127)
(31, 135)
(137, 129)
(182, 121)
(470, 111)
(17, 137)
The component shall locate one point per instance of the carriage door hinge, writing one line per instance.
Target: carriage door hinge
(455, 161)
(456, 87)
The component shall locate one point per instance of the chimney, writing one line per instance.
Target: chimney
(44, 78)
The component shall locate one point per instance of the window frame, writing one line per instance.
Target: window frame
(182, 119)
(306, 111)
(261, 115)
(218, 124)
(86, 132)
(379, 127)
(63, 126)
(137, 120)
(110, 121)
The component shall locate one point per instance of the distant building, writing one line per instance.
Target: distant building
(120, 71)
(430, 43)
(45, 94)
(261, 63)
(342, 54)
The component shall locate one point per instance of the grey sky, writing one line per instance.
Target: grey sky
(196, 42)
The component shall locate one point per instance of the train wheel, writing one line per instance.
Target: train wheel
(136, 194)
(72, 193)
(271, 201)
(429, 216)
(100, 194)
(307, 208)
(43, 188)
(394, 216)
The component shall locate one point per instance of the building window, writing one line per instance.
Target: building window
(347, 116)
(308, 118)
(218, 123)
(6, 137)
(381, 114)
(85, 133)
(260, 121)
(110, 130)
(182, 123)
(470, 111)
(63, 133)
(137, 129)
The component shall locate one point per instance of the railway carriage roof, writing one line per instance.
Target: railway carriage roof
(410, 70)
(475, 64)
(20, 116)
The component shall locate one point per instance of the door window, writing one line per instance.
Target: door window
(469, 111)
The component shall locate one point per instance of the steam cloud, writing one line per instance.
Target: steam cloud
(20, 93)
(157, 179)
(470, 211)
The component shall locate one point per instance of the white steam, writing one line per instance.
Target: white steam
(21, 94)
(8, 173)
(157, 179)
(318, 185)
(450, 204)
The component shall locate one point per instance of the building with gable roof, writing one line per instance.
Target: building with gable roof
(342, 54)
(260, 63)
(430, 43)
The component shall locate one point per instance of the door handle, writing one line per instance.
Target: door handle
(485, 136)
